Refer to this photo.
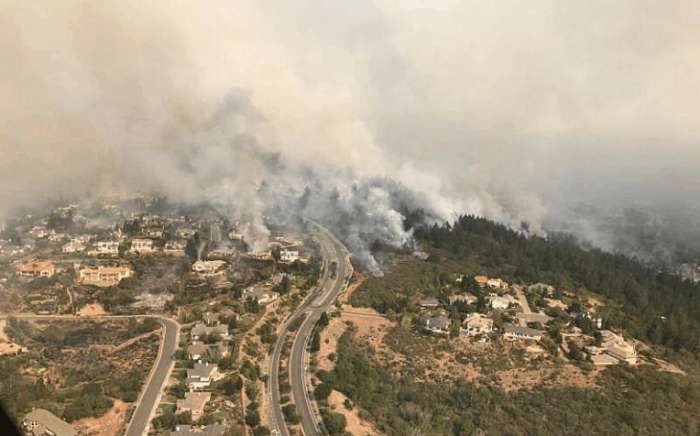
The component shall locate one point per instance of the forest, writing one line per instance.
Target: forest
(650, 304)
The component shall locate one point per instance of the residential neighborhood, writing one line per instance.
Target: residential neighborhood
(120, 258)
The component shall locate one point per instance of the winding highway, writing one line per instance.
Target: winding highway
(330, 285)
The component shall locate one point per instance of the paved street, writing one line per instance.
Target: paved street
(151, 393)
(328, 289)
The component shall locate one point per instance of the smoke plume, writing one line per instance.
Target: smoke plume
(560, 114)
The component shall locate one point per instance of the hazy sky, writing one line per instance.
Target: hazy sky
(514, 110)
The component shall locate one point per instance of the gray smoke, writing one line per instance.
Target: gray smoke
(561, 114)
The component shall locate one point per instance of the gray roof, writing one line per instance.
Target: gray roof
(201, 370)
(193, 401)
(439, 322)
(50, 421)
(429, 301)
(521, 331)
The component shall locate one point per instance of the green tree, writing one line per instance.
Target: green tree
(315, 342)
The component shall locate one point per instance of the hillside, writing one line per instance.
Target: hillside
(405, 380)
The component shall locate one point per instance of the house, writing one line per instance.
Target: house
(476, 324)
(496, 284)
(201, 329)
(57, 237)
(481, 281)
(624, 351)
(104, 276)
(175, 248)
(260, 294)
(142, 246)
(221, 252)
(499, 302)
(194, 403)
(513, 332)
(199, 350)
(210, 318)
(219, 349)
(209, 268)
(42, 422)
(616, 346)
(542, 287)
(463, 298)
(188, 430)
(438, 324)
(429, 302)
(74, 246)
(184, 232)
(154, 231)
(39, 232)
(596, 320)
(44, 268)
(289, 256)
(540, 317)
(201, 375)
(234, 235)
(105, 248)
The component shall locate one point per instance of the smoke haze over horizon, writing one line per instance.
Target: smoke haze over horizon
(565, 115)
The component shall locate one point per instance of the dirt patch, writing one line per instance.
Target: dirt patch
(371, 326)
(594, 303)
(567, 375)
(93, 309)
(356, 426)
(108, 424)
(669, 367)
(6, 345)
(556, 304)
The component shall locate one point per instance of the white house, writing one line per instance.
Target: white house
(175, 248)
(261, 295)
(289, 256)
(105, 248)
(74, 246)
(209, 268)
(476, 324)
(500, 302)
(513, 332)
(42, 422)
(142, 246)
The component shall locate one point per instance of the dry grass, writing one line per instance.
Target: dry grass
(6, 345)
(93, 309)
(108, 424)
(356, 426)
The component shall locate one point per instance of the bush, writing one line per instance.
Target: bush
(335, 422)
(252, 418)
(323, 391)
(261, 431)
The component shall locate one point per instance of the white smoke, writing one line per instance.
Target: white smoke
(515, 111)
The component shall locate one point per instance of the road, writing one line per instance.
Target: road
(326, 292)
(150, 394)
(157, 379)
